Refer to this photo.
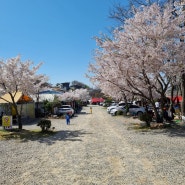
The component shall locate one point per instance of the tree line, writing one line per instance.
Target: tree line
(144, 56)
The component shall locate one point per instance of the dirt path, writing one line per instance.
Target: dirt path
(96, 149)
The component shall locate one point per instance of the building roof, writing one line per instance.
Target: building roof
(50, 92)
(48, 95)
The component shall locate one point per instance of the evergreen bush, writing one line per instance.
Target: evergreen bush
(119, 112)
(44, 124)
(146, 117)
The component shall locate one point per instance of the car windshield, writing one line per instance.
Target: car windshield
(134, 106)
(66, 106)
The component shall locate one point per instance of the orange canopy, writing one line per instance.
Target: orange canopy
(19, 97)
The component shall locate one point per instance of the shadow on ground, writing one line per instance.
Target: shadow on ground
(175, 131)
(29, 121)
(84, 113)
(49, 137)
(172, 130)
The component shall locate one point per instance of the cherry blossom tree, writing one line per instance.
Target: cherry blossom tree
(180, 4)
(78, 94)
(143, 56)
(18, 76)
(67, 96)
(82, 94)
(120, 12)
(109, 77)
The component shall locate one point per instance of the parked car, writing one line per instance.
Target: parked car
(65, 109)
(136, 110)
(65, 106)
(112, 106)
(101, 103)
(114, 111)
(121, 104)
(133, 110)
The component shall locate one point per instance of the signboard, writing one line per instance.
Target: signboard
(7, 122)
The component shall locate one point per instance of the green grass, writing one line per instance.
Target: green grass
(177, 121)
(24, 134)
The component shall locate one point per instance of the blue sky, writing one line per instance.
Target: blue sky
(58, 33)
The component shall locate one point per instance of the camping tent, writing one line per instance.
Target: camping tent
(176, 99)
(96, 100)
(28, 106)
(19, 97)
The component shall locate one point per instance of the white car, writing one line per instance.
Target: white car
(66, 109)
(114, 110)
(120, 105)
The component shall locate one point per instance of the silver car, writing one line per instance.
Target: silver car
(134, 110)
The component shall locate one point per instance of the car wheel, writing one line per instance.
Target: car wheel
(139, 113)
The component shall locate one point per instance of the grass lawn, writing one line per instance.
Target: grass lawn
(24, 134)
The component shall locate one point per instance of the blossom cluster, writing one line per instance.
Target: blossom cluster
(78, 94)
(145, 56)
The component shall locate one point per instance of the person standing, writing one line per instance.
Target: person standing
(90, 109)
(67, 119)
(177, 110)
(157, 105)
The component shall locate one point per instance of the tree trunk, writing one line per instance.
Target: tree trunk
(18, 116)
(183, 94)
(19, 122)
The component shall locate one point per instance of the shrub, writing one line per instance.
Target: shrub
(146, 117)
(119, 112)
(44, 124)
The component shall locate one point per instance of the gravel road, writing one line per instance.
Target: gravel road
(95, 149)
